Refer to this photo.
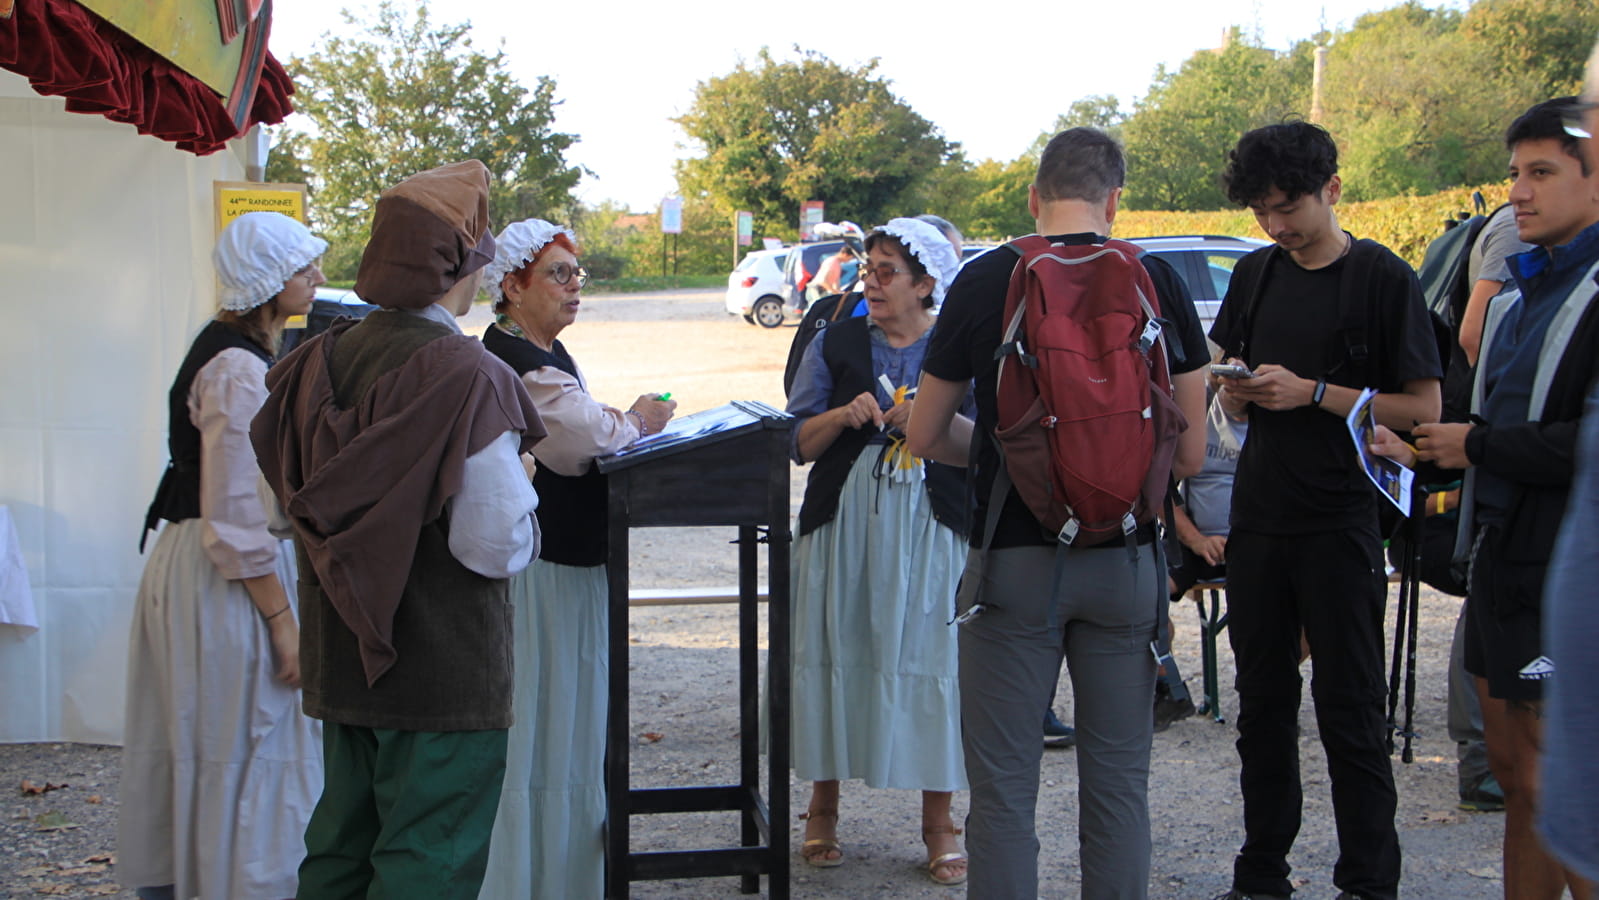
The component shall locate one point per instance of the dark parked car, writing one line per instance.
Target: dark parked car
(330, 304)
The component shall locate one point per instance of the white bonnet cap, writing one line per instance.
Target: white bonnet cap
(516, 245)
(258, 253)
(936, 254)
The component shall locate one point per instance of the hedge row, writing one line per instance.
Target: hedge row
(1405, 224)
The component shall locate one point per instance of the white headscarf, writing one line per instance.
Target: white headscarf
(934, 251)
(258, 253)
(516, 245)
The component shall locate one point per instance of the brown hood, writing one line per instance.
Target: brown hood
(428, 232)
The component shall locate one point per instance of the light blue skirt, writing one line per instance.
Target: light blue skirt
(875, 689)
(548, 837)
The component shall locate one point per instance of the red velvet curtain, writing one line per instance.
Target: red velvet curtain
(64, 49)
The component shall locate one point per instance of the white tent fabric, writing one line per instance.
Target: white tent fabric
(105, 275)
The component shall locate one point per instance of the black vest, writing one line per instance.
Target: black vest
(572, 509)
(178, 495)
(848, 354)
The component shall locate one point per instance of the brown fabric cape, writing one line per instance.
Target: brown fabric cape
(360, 483)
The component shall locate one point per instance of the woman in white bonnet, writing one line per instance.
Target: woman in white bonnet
(220, 771)
(880, 549)
(548, 840)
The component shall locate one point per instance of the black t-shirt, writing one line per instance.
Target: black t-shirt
(968, 332)
(1298, 472)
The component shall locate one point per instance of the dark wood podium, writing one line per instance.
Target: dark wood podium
(723, 466)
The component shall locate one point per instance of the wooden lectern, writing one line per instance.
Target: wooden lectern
(723, 466)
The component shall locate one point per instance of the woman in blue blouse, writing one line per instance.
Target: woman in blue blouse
(881, 547)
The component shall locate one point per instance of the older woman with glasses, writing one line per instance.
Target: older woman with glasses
(548, 837)
(881, 547)
(220, 771)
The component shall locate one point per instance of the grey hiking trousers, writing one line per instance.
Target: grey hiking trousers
(1102, 619)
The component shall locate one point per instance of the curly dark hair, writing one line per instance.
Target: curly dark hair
(1545, 121)
(1296, 157)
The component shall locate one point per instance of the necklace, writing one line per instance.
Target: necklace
(508, 326)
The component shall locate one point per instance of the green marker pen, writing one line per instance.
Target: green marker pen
(663, 397)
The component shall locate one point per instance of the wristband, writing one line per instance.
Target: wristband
(638, 417)
(1321, 391)
(276, 614)
(1442, 495)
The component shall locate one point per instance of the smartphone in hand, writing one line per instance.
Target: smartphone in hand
(1231, 370)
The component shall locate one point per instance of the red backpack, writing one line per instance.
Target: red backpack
(1087, 424)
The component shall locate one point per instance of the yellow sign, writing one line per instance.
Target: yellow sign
(235, 198)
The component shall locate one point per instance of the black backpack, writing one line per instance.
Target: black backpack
(824, 312)
(1447, 262)
(1445, 288)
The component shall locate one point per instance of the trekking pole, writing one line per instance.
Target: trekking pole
(1413, 526)
(1399, 640)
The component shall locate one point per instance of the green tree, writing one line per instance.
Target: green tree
(775, 134)
(1548, 40)
(999, 208)
(407, 96)
(1102, 111)
(1178, 135)
(1414, 107)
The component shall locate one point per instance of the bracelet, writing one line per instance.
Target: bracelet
(1321, 391)
(276, 614)
(639, 417)
(1441, 495)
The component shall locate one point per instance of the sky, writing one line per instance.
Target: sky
(990, 80)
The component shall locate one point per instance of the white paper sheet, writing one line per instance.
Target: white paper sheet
(1392, 479)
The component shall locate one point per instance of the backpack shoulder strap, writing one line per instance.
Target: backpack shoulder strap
(1009, 343)
(1127, 247)
(1246, 326)
(1354, 309)
(1026, 244)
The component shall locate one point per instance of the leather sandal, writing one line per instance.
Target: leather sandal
(944, 860)
(815, 850)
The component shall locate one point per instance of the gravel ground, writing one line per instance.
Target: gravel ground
(61, 842)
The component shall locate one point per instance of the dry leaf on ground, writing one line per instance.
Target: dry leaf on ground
(52, 821)
(29, 787)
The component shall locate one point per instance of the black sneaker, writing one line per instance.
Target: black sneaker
(1169, 710)
(1058, 733)
(1485, 795)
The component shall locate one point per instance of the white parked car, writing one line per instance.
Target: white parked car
(755, 288)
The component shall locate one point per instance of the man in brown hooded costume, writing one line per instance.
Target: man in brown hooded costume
(393, 446)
